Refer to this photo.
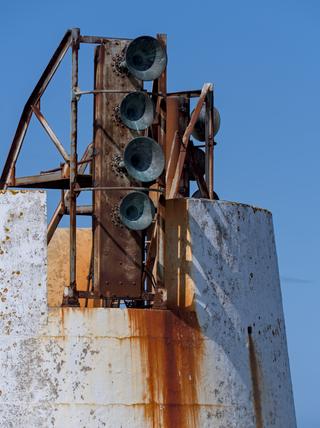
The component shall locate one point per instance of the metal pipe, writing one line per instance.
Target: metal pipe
(78, 93)
(81, 210)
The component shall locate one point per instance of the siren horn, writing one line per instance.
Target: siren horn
(197, 195)
(143, 159)
(136, 211)
(137, 111)
(145, 58)
(199, 127)
(199, 158)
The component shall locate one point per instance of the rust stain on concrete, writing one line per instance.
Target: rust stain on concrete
(170, 348)
(255, 378)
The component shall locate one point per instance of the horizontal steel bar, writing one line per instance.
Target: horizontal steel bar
(78, 93)
(189, 94)
(53, 180)
(90, 295)
(83, 189)
(98, 40)
(81, 210)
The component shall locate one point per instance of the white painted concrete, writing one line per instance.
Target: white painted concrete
(23, 262)
(134, 368)
(225, 261)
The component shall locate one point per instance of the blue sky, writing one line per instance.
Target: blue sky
(264, 60)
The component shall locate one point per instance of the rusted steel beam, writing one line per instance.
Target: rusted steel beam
(52, 180)
(118, 188)
(162, 127)
(72, 299)
(151, 253)
(188, 94)
(27, 111)
(171, 161)
(78, 92)
(177, 121)
(98, 40)
(59, 211)
(118, 251)
(50, 132)
(81, 210)
(172, 144)
(209, 142)
(185, 140)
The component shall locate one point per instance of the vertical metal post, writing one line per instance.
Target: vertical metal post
(160, 299)
(209, 142)
(71, 299)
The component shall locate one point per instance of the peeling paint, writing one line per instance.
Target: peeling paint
(185, 367)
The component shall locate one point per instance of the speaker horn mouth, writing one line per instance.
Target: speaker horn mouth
(136, 211)
(143, 159)
(199, 159)
(199, 130)
(145, 58)
(137, 111)
(197, 195)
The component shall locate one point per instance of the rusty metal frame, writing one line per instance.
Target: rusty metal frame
(207, 87)
(8, 170)
(71, 177)
(50, 132)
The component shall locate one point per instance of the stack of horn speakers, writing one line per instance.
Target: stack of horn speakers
(143, 159)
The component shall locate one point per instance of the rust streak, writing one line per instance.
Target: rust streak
(254, 367)
(170, 348)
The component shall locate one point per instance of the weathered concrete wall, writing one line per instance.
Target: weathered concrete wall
(147, 368)
(23, 262)
(222, 263)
